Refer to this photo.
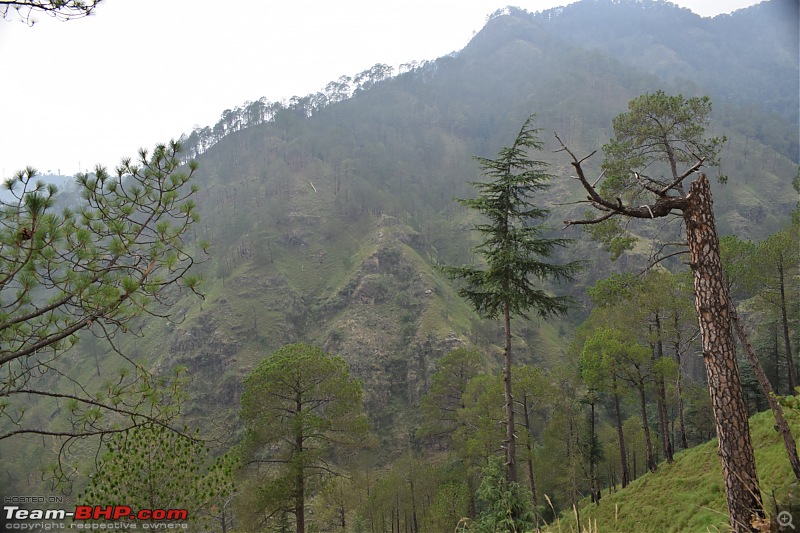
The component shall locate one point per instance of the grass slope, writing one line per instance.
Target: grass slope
(689, 494)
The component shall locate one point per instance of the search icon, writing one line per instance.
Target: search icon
(785, 519)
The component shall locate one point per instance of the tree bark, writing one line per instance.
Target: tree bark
(677, 346)
(300, 502)
(777, 358)
(592, 458)
(472, 509)
(623, 456)
(727, 399)
(661, 392)
(780, 422)
(511, 444)
(663, 419)
(414, 526)
(648, 443)
(792, 373)
(300, 479)
(529, 449)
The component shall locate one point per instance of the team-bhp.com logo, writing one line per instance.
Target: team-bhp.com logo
(158, 518)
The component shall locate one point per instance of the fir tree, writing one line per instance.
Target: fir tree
(514, 252)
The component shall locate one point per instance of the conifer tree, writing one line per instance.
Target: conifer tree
(514, 252)
(658, 144)
(300, 407)
(152, 467)
(121, 253)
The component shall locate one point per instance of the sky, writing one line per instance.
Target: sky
(140, 72)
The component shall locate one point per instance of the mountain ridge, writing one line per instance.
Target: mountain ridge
(387, 161)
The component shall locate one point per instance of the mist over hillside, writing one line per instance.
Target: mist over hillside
(329, 215)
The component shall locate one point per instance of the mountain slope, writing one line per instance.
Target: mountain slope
(749, 57)
(327, 222)
(688, 495)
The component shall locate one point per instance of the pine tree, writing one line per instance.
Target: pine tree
(300, 407)
(658, 144)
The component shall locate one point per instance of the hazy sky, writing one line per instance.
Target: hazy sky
(139, 72)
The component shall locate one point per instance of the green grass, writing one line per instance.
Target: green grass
(689, 494)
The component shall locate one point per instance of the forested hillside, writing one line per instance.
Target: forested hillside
(329, 217)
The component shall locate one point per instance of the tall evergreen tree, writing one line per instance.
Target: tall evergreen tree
(300, 406)
(774, 262)
(514, 252)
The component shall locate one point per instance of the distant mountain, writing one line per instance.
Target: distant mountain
(327, 218)
(749, 57)
(64, 184)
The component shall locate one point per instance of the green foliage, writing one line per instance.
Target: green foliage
(533, 385)
(511, 247)
(612, 290)
(791, 404)
(121, 254)
(773, 264)
(657, 144)
(480, 436)
(391, 157)
(612, 350)
(737, 256)
(657, 130)
(513, 251)
(442, 403)
(506, 504)
(416, 494)
(612, 235)
(301, 409)
(448, 507)
(765, 272)
(154, 467)
(334, 505)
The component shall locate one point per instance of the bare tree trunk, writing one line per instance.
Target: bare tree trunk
(529, 449)
(511, 438)
(472, 513)
(790, 369)
(300, 481)
(777, 358)
(623, 456)
(573, 493)
(742, 488)
(300, 502)
(592, 457)
(677, 345)
(661, 392)
(663, 419)
(414, 527)
(648, 443)
(777, 411)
